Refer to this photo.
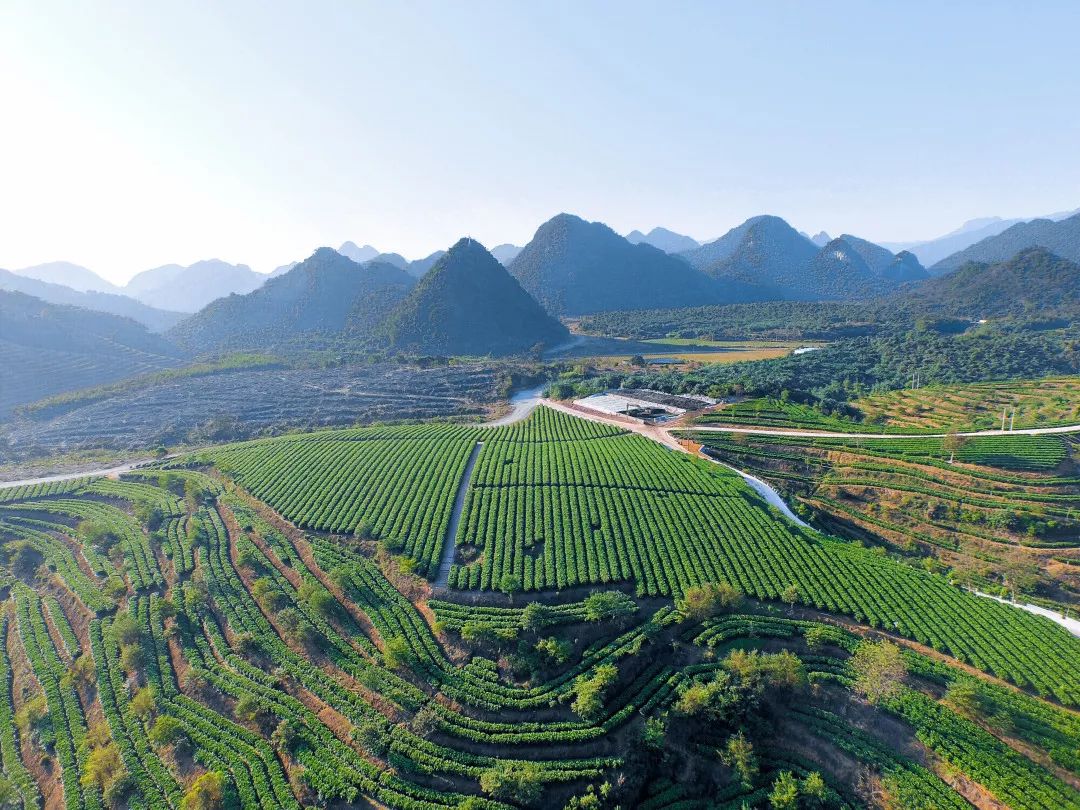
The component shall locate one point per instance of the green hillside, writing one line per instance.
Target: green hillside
(467, 303)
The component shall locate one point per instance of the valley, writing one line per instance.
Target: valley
(798, 528)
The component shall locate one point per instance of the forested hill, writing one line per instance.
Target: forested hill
(48, 348)
(321, 298)
(769, 260)
(1033, 283)
(574, 267)
(1061, 238)
(467, 303)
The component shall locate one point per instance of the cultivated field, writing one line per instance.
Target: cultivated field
(256, 623)
(246, 402)
(935, 409)
(1001, 509)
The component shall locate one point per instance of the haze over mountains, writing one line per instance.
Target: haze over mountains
(1061, 237)
(931, 251)
(48, 348)
(322, 297)
(762, 258)
(156, 320)
(465, 302)
(665, 240)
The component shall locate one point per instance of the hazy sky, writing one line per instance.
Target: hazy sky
(139, 133)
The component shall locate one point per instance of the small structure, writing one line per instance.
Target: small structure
(643, 403)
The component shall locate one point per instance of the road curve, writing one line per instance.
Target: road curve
(104, 471)
(822, 434)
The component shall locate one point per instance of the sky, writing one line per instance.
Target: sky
(137, 134)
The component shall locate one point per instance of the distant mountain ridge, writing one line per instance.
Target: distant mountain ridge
(769, 260)
(190, 288)
(1061, 237)
(70, 275)
(574, 267)
(665, 240)
(930, 252)
(468, 303)
(350, 250)
(156, 320)
(505, 253)
(325, 296)
(48, 349)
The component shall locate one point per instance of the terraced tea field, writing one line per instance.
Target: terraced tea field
(1026, 404)
(992, 507)
(254, 626)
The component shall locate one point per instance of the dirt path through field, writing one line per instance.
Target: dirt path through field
(447, 560)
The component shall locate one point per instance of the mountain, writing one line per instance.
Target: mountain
(665, 240)
(931, 251)
(821, 239)
(1061, 238)
(358, 254)
(156, 320)
(48, 349)
(505, 253)
(764, 253)
(395, 259)
(906, 267)
(1033, 282)
(895, 269)
(574, 267)
(189, 289)
(70, 275)
(419, 267)
(322, 298)
(282, 270)
(468, 303)
(838, 273)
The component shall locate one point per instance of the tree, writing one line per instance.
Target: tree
(609, 605)
(478, 632)
(816, 636)
(508, 584)
(638, 361)
(247, 708)
(206, 793)
(125, 629)
(879, 670)
(953, 442)
(516, 782)
(963, 697)
(103, 766)
(813, 787)
(785, 792)
(553, 650)
(536, 616)
(166, 731)
(716, 699)
(396, 652)
(790, 596)
(738, 753)
(143, 704)
(703, 601)
(589, 692)
(654, 733)
(373, 734)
